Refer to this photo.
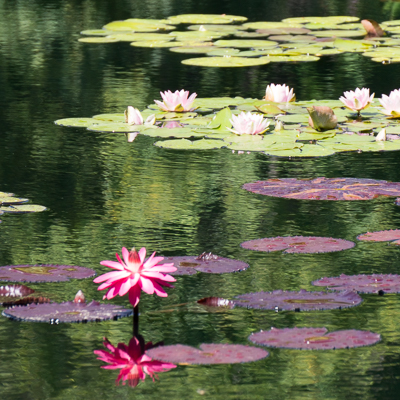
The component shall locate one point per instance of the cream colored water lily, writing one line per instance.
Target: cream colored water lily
(134, 117)
(179, 101)
(357, 100)
(248, 123)
(279, 93)
(391, 104)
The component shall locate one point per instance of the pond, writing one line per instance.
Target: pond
(103, 193)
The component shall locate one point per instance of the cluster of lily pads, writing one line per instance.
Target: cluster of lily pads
(16, 205)
(229, 41)
(276, 125)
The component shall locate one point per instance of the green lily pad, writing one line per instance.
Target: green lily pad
(136, 37)
(339, 33)
(221, 120)
(192, 49)
(330, 19)
(116, 127)
(135, 26)
(259, 53)
(294, 118)
(76, 122)
(173, 133)
(270, 25)
(237, 43)
(225, 61)
(250, 35)
(351, 45)
(301, 58)
(308, 150)
(311, 134)
(23, 208)
(110, 117)
(98, 39)
(197, 35)
(156, 43)
(6, 200)
(268, 108)
(184, 144)
(223, 52)
(96, 32)
(216, 28)
(363, 126)
(205, 19)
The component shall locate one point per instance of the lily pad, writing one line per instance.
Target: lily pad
(103, 126)
(98, 39)
(325, 188)
(299, 244)
(298, 301)
(314, 338)
(374, 283)
(192, 49)
(206, 262)
(382, 236)
(205, 19)
(6, 200)
(307, 151)
(184, 144)
(44, 273)
(237, 43)
(55, 313)
(8, 292)
(77, 122)
(23, 209)
(173, 133)
(225, 61)
(156, 43)
(208, 354)
(216, 302)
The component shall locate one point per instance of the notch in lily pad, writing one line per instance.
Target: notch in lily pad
(303, 300)
(205, 262)
(373, 283)
(314, 338)
(322, 188)
(298, 244)
(207, 354)
(44, 273)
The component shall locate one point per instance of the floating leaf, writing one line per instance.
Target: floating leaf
(374, 283)
(70, 311)
(9, 292)
(299, 244)
(208, 354)
(12, 200)
(308, 150)
(339, 19)
(101, 126)
(156, 43)
(184, 144)
(205, 19)
(298, 301)
(381, 236)
(192, 49)
(314, 338)
(44, 273)
(212, 264)
(173, 133)
(96, 32)
(216, 302)
(246, 43)
(325, 188)
(77, 122)
(225, 61)
(98, 39)
(23, 209)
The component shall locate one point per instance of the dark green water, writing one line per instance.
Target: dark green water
(104, 193)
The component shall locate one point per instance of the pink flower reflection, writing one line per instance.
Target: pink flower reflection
(134, 365)
(135, 274)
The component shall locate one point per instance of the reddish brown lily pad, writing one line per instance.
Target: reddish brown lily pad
(314, 338)
(44, 273)
(216, 302)
(206, 262)
(69, 311)
(208, 354)
(298, 244)
(18, 295)
(298, 301)
(381, 236)
(374, 283)
(325, 188)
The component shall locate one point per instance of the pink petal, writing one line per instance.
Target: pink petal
(112, 264)
(147, 285)
(142, 254)
(125, 287)
(125, 255)
(112, 276)
(134, 295)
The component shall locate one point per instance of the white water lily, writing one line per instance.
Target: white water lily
(134, 117)
(391, 104)
(279, 93)
(248, 123)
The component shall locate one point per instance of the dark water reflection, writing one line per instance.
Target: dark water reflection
(104, 193)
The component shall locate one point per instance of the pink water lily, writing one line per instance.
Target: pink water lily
(248, 123)
(178, 101)
(135, 274)
(133, 363)
(391, 104)
(279, 93)
(134, 117)
(357, 100)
